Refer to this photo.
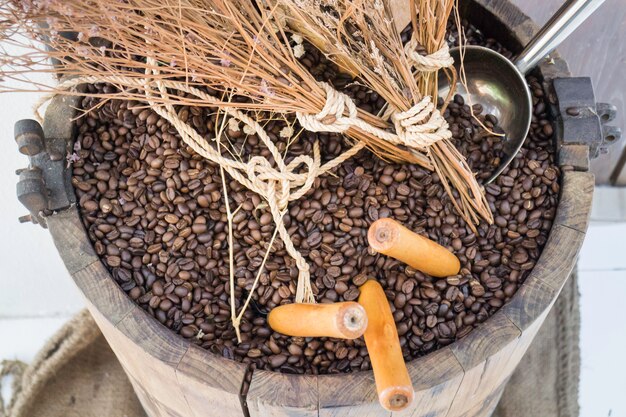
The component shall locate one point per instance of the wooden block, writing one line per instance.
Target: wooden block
(277, 395)
(71, 240)
(576, 156)
(436, 379)
(349, 395)
(210, 383)
(575, 200)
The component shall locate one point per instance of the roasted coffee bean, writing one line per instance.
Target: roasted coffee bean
(352, 294)
(276, 361)
(156, 215)
(359, 280)
(314, 239)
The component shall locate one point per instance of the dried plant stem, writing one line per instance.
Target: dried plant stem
(429, 22)
(236, 56)
(462, 76)
(231, 262)
(237, 319)
(229, 217)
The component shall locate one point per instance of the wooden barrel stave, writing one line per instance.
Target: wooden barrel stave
(576, 194)
(436, 379)
(353, 396)
(295, 395)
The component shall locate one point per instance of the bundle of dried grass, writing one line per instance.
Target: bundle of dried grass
(360, 36)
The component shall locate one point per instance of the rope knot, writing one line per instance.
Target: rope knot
(268, 182)
(421, 125)
(280, 186)
(331, 118)
(428, 63)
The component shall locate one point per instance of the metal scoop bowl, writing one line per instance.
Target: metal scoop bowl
(499, 84)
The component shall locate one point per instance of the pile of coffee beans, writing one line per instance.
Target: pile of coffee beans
(155, 213)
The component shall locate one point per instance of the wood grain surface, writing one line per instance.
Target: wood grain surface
(281, 395)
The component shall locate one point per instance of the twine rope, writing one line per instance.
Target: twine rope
(422, 125)
(418, 127)
(428, 63)
(275, 189)
(278, 186)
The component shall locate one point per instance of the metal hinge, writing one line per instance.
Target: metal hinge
(44, 186)
(581, 121)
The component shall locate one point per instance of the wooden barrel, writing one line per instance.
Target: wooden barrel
(175, 378)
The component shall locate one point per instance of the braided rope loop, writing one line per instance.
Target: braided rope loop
(428, 63)
(421, 126)
(331, 117)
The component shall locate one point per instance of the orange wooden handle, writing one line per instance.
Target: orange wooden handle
(390, 238)
(393, 383)
(346, 320)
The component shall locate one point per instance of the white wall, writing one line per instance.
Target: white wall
(33, 280)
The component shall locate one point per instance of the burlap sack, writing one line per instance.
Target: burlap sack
(545, 383)
(77, 375)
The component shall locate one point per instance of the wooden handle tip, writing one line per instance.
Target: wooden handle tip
(352, 321)
(396, 398)
(383, 234)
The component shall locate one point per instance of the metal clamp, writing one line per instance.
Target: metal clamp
(581, 120)
(44, 186)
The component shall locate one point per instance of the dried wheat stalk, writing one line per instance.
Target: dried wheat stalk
(241, 47)
(194, 52)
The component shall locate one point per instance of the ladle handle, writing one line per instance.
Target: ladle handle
(555, 31)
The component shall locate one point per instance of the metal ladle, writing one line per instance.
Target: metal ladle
(499, 84)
